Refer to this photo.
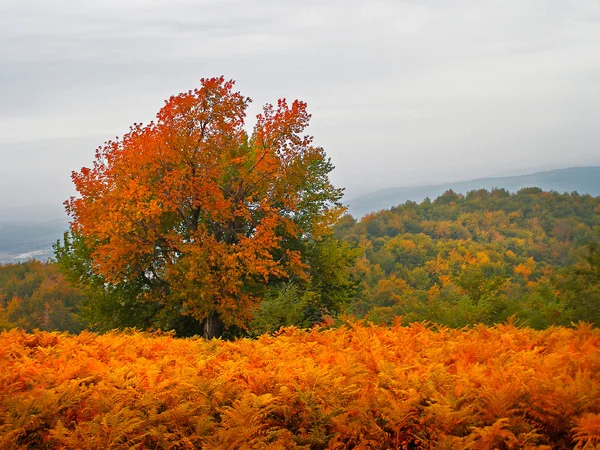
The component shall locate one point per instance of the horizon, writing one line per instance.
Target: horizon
(50, 212)
(401, 93)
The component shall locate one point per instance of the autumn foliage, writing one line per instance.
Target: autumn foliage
(353, 387)
(34, 295)
(480, 258)
(196, 215)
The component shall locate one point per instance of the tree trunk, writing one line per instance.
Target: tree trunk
(213, 326)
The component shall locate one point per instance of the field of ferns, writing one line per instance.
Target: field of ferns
(357, 386)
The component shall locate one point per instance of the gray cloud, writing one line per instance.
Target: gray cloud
(401, 91)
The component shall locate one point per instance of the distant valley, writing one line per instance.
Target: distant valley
(21, 240)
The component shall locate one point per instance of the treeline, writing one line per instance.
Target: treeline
(480, 258)
(458, 260)
(35, 295)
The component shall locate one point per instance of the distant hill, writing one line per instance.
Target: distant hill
(29, 239)
(584, 180)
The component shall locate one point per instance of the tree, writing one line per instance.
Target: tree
(192, 216)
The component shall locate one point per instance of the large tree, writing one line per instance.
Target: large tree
(190, 215)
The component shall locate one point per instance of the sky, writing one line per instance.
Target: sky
(401, 92)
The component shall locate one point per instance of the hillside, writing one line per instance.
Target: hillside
(36, 296)
(25, 239)
(584, 180)
(481, 257)
(457, 260)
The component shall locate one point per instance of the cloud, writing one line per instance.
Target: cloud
(401, 91)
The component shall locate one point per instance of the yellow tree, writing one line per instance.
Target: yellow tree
(201, 214)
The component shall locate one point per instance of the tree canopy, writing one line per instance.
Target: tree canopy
(35, 295)
(480, 257)
(192, 216)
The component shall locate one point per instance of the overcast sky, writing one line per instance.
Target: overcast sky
(401, 92)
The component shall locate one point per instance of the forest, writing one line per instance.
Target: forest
(480, 258)
(456, 261)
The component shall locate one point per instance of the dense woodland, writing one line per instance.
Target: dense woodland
(35, 295)
(480, 258)
(457, 261)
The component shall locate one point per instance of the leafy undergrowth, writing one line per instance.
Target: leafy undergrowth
(352, 387)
